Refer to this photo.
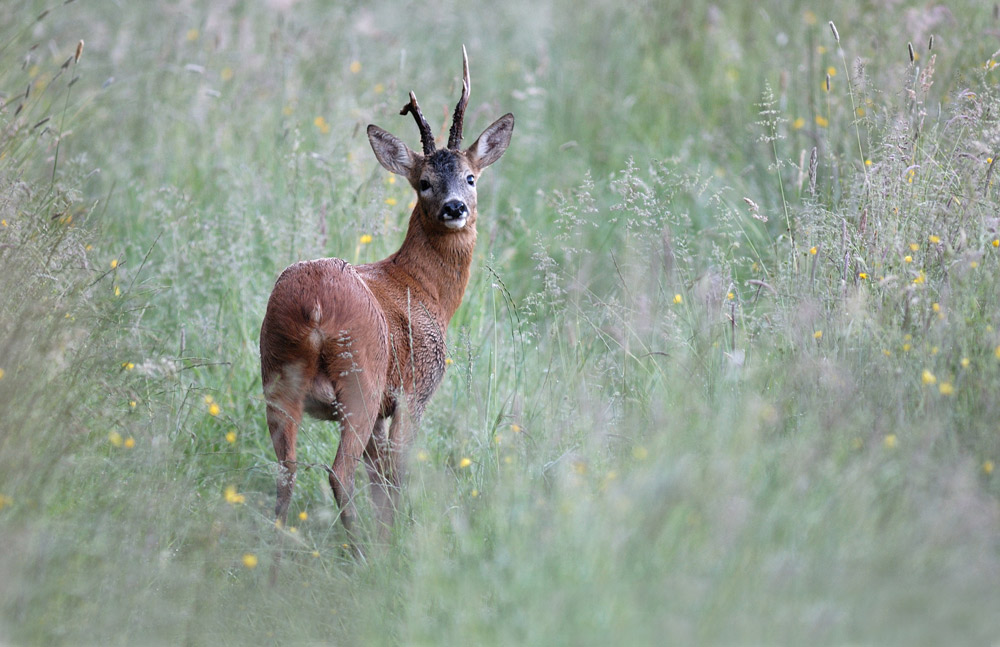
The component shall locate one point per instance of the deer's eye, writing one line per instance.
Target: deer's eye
(471, 180)
(425, 185)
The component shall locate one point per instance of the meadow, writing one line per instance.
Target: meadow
(726, 372)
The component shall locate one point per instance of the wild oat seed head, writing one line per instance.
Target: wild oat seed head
(836, 34)
(909, 49)
(79, 51)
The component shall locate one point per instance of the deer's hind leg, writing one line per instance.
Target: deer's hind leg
(357, 412)
(283, 419)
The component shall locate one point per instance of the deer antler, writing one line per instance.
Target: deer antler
(455, 137)
(426, 136)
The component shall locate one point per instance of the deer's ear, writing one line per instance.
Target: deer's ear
(492, 143)
(391, 152)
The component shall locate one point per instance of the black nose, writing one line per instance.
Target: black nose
(453, 210)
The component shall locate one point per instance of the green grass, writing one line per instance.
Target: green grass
(684, 423)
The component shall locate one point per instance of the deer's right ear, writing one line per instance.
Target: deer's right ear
(391, 152)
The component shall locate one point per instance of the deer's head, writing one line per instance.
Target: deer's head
(444, 179)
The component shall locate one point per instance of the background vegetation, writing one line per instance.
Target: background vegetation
(726, 372)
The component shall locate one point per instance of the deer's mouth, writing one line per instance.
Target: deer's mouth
(454, 222)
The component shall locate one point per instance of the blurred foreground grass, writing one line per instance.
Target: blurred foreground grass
(726, 370)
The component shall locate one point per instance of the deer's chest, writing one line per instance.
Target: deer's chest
(417, 360)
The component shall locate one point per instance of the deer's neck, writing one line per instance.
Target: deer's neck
(438, 263)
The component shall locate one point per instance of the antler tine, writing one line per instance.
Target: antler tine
(455, 136)
(426, 136)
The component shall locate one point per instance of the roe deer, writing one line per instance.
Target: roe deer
(361, 344)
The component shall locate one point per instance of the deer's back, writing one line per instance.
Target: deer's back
(323, 325)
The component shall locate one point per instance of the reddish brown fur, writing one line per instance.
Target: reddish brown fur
(364, 344)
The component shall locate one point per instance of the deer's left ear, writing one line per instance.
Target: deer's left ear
(492, 143)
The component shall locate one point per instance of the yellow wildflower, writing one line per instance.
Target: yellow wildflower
(987, 466)
(516, 428)
(798, 123)
(678, 298)
(822, 121)
(832, 71)
(322, 124)
(907, 259)
(422, 455)
(813, 250)
(867, 162)
(391, 202)
(730, 296)
(231, 437)
(890, 441)
(355, 67)
(996, 242)
(946, 388)
(213, 409)
(927, 377)
(862, 275)
(114, 263)
(365, 239)
(250, 560)
(115, 439)
(914, 247)
(232, 496)
(129, 442)
(818, 334)
(934, 239)
(465, 462)
(303, 515)
(936, 307)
